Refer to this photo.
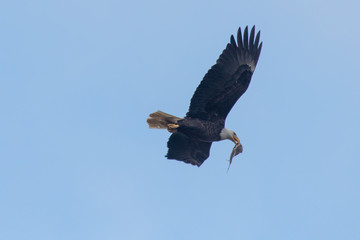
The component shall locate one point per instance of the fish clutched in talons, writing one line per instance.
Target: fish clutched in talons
(236, 150)
(172, 127)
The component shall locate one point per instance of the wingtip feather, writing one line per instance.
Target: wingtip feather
(246, 38)
(232, 41)
(257, 39)
(252, 36)
(239, 38)
(259, 51)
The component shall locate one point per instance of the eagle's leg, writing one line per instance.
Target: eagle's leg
(172, 127)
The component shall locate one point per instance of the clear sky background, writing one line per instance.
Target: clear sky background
(79, 78)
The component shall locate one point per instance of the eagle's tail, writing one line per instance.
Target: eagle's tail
(160, 120)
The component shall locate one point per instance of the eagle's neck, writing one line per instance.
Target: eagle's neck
(226, 134)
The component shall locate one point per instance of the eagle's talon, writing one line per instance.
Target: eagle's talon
(172, 127)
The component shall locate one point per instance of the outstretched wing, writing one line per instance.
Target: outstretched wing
(188, 150)
(228, 79)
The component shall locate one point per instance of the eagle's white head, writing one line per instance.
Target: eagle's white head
(229, 134)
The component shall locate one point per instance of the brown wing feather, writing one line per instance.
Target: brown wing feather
(188, 150)
(228, 79)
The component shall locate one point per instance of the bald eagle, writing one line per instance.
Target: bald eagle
(212, 101)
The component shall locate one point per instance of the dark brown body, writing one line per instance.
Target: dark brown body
(206, 131)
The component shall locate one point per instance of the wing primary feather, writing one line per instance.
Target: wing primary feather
(252, 35)
(259, 50)
(257, 39)
(246, 38)
(239, 39)
(232, 40)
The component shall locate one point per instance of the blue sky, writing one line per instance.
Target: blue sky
(79, 78)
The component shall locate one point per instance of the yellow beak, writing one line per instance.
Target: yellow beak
(236, 140)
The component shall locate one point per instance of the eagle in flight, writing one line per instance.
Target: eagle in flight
(212, 101)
